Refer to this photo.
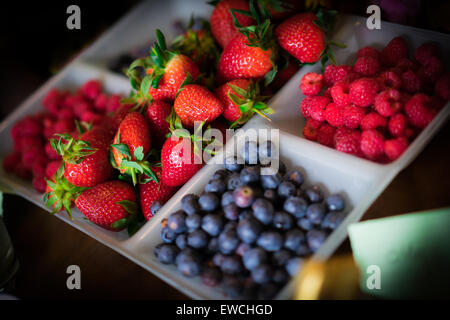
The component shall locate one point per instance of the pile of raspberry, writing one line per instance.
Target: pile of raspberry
(33, 158)
(375, 108)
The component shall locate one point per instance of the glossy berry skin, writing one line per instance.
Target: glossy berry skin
(175, 73)
(293, 239)
(231, 211)
(231, 111)
(194, 221)
(157, 113)
(254, 258)
(316, 212)
(212, 224)
(221, 20)
(197, 239)
(314, 194)
(271, 181)
(189, 204)
(301, 37)
(155, 207)
(335, 202)
(228, 241)
(305, 224)
(100, 203)
(177, 222)
(175, 170)
(168, 235)
(244, 196)
(249, 230)
(227, 198)
(296, 177)
(250, 175)
(296, 206)
(282, 220)
(208, 201)
(270, 241)
(293, 266)
(332, 220)
(196, 103)
(232, 265)
(181, 241)
(188, 263)
(151, 192)
(262, 274)
(233, 164)
(216, 185)
(166, 253)
(263, 210)
(239, 61)
(315, 239)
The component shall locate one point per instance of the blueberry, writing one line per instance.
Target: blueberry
(218, 258)
(314, 194)
(166, 253)
(220, 174)
(212, 224)
(155, 207)
(231, 265)
(211, 277)
(332, 220)
(280, 276)
(230, 225)
(271, 181)
(244, 196)
(188, 263)
(227, 198)
(283, 220)
(250, 175)
(315, 239)
(177, 221)
(267, 291)
(293, 239)
(249, 230)
(189, 204)
(216, 185)
(231, 211)
(305, 224)
(181, 241)
(262, 274)
(213, 246)
(208, 201)
(293, 266)
(315, 213)
(271, 195)
(242, 249)
(245, 214)
(193, 221)
(233, 181)
(233, 164)
(267, 150)
(296, 177)
(303, 250)
(296, 206)
(335, 202)
(168, 235)
(263, 210)
(281, 257)
(286, 189)
(232, 286)
(249, 152)
(270, 241)
(197, 239)
(254, 257)
(228, 241)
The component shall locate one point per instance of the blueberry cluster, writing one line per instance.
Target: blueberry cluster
(247, 231)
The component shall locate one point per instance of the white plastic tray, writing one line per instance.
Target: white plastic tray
(360, 180)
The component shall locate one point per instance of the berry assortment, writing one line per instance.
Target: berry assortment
(375, 108)
(249, 232)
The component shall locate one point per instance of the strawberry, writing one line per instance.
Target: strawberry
(157, 113)
(131, 145)
(179, 161)
(60, 194)
(221, 20)
(152, 191)
(302, 37)
(166, 70)
(86, 160)
(111, 205)
(241, 100)
(284, 74)
(196, 103)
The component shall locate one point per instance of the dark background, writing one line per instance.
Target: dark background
(35, 43)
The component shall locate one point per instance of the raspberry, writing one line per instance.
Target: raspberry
(39, 184)
(367, 66)
(342, 132)
(327, 93)
(424, 51)
(311, 129)
(113, 103)
(389, 80)
(51, 101)
(11, 161)
(349, 142)
(80, 109)
(50, 152)
(433, 68)
(388, 102)
(91, 89)
(372, 144)
(39, 165)
(363, 92)
(317, 107)
(328, 75)
(395, 147)
(91, 117)
(63, 126)
(311, 84)
(101, 102)
(351, 77)
(418, 111)
(29, 155)
(373, 120)
(394, 51)
(340, 93)
(405, 64)
(51, 168)
(397, 125)
(333, 115)
(442, 87)
(437, 103)
(28, 126)
(353, 116)
(368, 52)
(66, 114)
(26, 143)
(336, 73)
(325, 135)
(72, 100)
(22, 172)
(411, 82)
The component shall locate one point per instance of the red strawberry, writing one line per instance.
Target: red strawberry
(157, 113)
(60, 194)
(111, 205)
(179, 162)
(152, 191)
(301, 37)
(120, 114)
(240, 99)
(221, 20)
(196, 103)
